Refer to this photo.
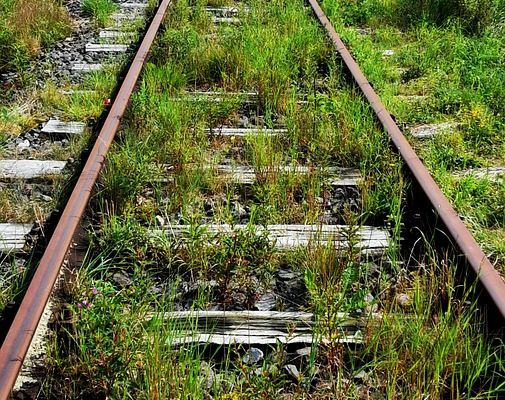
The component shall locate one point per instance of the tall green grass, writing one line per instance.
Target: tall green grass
(474, 17)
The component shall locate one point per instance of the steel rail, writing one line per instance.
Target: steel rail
(486, 273)
(19, 337)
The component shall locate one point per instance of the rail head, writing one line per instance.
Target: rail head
(486, 273)
(19, 337)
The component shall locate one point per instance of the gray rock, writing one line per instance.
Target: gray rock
(304, 352)
(238, 209)
(122, 279)
(156, 290)
(364, 31)
(207, 373)
(292, 371)
(361, 375)
(266, 302)
(160, 220)
(25, 144)
(368, 298)
(286, 274)
(371, 306)
(244, 121)
(44, 197)
(252, 356)
(403, 299)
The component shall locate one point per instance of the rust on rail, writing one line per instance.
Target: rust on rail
(19, 337)
(487, 274)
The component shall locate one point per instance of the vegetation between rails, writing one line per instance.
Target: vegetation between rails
(419, 340)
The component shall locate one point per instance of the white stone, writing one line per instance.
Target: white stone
(24, 144)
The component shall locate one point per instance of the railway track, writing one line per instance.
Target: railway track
(244, 201)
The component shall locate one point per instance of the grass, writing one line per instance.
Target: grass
(13, 121)
(99, 10)
(26, 26)
(422, 334)
(460, 88)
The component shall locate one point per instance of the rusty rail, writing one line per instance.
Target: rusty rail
(485, 271)
(19, 337)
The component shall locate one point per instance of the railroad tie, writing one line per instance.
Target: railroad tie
(431, 130)
(13, 237)
(225, 20)
(255, 327)
(246, 175)
(242, 132)
(367, 239)
(113, 34)
(131, 15)
(71, 92)
(226, 11)
(106, 48)
(495, 174)
(86, 67)
(139, 6)
(55, 126)
(27, 170)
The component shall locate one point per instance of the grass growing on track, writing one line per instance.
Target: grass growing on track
(425, 342)
(428, 346)
(452, 62)
(26, 26)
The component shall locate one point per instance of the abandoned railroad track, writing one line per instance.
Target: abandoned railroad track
(250, 222)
